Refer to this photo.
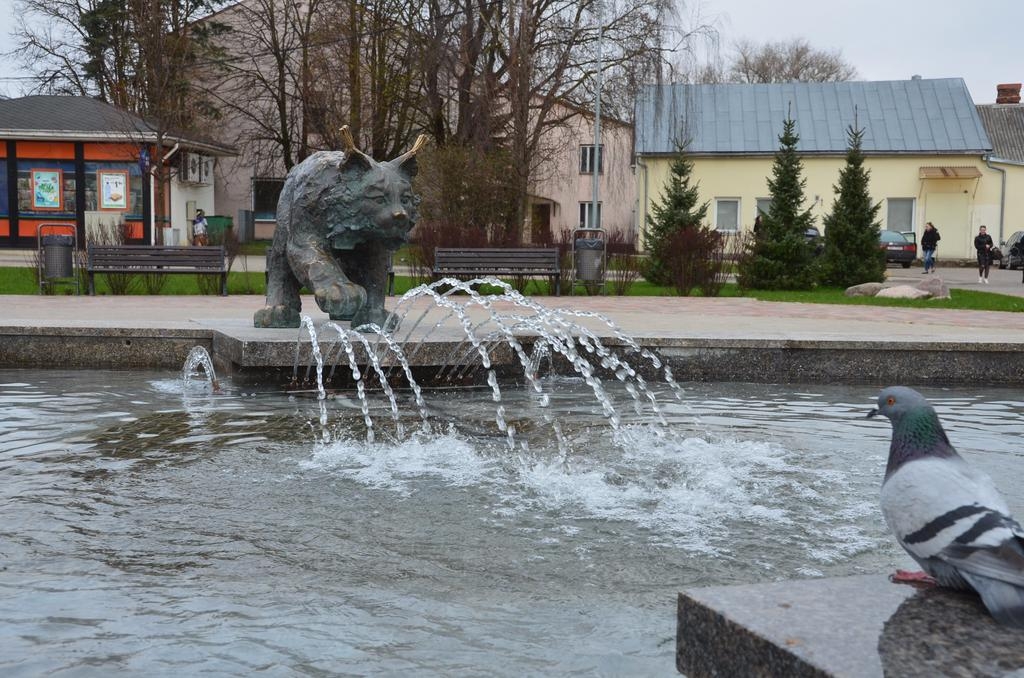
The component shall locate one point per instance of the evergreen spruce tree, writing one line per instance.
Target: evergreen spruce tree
(852, 255)
(781, 257)
(677, 211)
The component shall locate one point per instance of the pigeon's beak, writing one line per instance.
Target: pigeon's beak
(872, 413)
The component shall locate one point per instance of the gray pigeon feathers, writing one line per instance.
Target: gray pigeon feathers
(948, 516)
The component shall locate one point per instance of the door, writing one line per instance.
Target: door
(950, 214)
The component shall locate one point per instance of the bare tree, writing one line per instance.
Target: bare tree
(367, 71)
(792, 61)
(135, 55)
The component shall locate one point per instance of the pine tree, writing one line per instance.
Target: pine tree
(781, 257)
(852, 255)
(677, 211)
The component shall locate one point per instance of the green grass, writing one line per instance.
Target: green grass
(21, 280)
(961, 299)
(255, 248)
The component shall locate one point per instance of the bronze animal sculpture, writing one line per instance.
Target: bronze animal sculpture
(340, 217)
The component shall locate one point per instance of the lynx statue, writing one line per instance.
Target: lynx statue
(340, 216)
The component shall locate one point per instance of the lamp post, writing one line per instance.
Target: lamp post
(595, 214)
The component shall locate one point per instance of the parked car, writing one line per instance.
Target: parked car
(899, 249)
(1013, 251)
(813, 236)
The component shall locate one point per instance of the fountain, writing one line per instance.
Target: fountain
(147, 530)
(363, 519)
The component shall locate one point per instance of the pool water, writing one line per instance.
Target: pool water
(151, 528)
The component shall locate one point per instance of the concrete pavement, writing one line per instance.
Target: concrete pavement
(729, 339)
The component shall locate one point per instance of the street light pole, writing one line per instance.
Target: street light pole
(594, 212)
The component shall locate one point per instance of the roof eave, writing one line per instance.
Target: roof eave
(112, 137)
(839, 153)
(75, 135)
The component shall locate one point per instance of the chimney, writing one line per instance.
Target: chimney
(1008, 93)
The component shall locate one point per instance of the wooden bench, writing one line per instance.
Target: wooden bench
(498, 262)
(156, 259)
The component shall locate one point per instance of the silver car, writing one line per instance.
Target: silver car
(1013, 251)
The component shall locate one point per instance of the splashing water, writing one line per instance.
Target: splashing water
(199, 357)
(485, 325)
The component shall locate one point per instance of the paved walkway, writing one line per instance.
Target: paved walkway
(646, 317)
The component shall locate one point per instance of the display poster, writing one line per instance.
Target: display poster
(46, 189)
(113, 190)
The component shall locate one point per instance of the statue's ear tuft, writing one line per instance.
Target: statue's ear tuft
(354, 158)
(406, 162)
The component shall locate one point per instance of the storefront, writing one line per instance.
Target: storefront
(76, 160)
(99, 184)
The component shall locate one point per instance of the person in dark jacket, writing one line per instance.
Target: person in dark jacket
(929, 241)
(983, 245)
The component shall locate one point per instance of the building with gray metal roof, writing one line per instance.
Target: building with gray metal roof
(1005, 126)
(900, 116)
(927, 147)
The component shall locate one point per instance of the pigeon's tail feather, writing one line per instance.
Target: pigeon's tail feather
(1005, 601)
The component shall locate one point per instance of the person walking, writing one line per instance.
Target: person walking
(199, 238)
(929, 241)
(983, 245)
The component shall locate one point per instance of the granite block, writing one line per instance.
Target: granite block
(857, 627)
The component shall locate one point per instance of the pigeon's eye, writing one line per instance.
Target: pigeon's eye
(890, 401)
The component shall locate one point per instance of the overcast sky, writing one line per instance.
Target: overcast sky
(979, 41)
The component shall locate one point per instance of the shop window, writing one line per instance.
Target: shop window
(46, 188)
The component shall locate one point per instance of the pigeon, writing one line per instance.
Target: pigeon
(947, 515)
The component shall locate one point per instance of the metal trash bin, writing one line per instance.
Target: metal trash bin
(589, 255)
(57, 253)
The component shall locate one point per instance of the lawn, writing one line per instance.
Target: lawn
(21, 280)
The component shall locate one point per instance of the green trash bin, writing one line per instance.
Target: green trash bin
(216, 227)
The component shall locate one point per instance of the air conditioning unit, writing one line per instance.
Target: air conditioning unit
(196, 168)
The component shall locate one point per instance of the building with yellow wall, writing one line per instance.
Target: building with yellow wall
(925, 145)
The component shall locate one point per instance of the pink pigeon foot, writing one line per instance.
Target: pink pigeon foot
(914, 578)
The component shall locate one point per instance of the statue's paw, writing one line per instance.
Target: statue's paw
(340, 301)
(383, 319)
(277, 316)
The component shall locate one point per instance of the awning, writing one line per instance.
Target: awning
(948, 172)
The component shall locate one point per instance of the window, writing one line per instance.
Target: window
(46, 188)
(585, 215)
(265, 193)
(763, 205)
(94, 198)
(587, 159)
(727, 214)
(900, 214)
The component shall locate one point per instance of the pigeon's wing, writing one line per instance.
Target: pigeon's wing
(997, 574)
(994, 549)
(929, 503)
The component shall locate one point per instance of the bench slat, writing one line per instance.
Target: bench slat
(499, 261)
(156, 259)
